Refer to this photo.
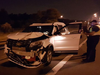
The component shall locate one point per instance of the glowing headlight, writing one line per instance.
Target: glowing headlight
(37, 43)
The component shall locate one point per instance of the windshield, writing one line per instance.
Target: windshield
(44, 29)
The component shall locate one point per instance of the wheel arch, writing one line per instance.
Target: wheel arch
(50, 46)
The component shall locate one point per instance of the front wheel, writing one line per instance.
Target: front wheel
(48, 56)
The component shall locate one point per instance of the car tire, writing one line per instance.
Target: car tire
(48, 56)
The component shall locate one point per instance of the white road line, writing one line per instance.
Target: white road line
(59, 65)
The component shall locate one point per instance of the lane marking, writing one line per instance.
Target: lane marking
(59, 65)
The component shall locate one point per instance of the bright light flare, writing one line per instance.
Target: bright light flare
(59, 38)
(99, 23)
(61, 16)
(95, 14)
(52, 39)
(88, 22)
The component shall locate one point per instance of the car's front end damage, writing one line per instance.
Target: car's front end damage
(35, 45)
(28, 53)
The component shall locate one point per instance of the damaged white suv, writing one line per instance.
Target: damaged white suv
(36, 44)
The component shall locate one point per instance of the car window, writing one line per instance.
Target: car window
(62, 30)
(73, 29)
(55, 29)
(60, 26)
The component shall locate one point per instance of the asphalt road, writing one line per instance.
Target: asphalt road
(62, 64)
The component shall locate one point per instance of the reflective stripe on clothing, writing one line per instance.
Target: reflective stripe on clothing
(97, 33)
(96, 29)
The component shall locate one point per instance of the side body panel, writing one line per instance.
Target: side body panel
(65, 42)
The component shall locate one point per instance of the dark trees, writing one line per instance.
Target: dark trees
(50, 15)
(23, 20)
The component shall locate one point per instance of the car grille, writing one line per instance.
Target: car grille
(18, 43)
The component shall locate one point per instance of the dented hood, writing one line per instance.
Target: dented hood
(24, 36)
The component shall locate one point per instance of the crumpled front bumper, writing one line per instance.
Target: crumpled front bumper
(17, 59)
(26, 66)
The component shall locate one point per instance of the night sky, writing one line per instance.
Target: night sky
(70, 9)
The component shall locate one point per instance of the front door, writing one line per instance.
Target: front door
(66, 43)
(68, 40)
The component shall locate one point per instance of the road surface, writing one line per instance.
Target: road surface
(62, 64)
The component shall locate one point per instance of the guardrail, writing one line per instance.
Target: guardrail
(2, 44)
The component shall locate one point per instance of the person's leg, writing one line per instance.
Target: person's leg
(88, 48)
(94, 43)
(91, 45)
(91, 54)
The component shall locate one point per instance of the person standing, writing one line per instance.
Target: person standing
(92, 41)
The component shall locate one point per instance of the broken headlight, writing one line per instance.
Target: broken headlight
(36, 45)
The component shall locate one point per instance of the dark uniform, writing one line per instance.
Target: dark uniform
(92, 41)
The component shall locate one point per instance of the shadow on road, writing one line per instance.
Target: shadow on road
(77, 57)
(44, 70)
(10, 64)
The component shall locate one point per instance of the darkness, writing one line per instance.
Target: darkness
(71, 9)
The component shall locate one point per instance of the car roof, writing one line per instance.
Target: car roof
(75, 23)
(43, 24)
